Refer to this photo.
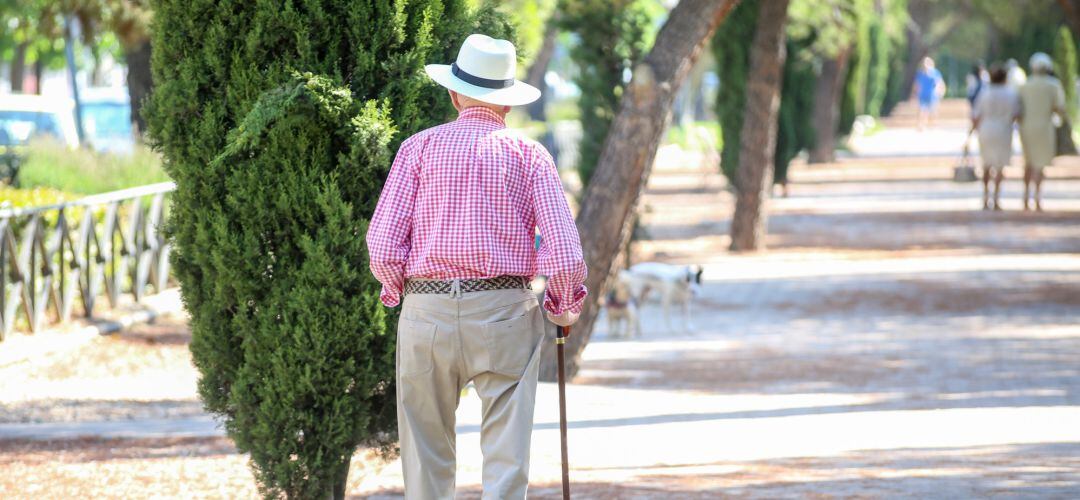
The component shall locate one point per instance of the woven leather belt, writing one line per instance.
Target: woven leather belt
(469, 285)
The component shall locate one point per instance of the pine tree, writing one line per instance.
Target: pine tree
(277, 121)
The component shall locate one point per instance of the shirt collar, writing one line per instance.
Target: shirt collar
(481, 113)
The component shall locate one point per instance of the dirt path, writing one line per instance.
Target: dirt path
(895, 341)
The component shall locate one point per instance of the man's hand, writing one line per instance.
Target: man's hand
(567, 318)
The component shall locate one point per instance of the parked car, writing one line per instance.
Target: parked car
(107, 119)
(25, 117)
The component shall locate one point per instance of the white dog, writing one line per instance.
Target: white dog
(675, 284)
(621, 307)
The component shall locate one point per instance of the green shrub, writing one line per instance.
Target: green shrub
(49, 164)
(34, 197)
(277, 122)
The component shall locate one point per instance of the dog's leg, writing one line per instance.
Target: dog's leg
(616, 325)
(666, 304)
(687, 320)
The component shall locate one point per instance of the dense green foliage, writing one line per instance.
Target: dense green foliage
(277, 122)
(795, 130)
(529, 18)
(613, 35)
(877, 82)
(1065, 68)
(32, 197)
(731, 50)
(84, 171)
(853, 98)
(894, 86)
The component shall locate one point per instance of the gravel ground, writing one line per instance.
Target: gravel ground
(144, 372)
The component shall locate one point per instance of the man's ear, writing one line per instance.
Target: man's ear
(454, 99)
(506, 109)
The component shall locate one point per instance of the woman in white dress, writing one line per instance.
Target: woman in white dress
(1041, 98)
(996, 109)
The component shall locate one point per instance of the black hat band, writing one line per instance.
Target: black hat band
(487, 83)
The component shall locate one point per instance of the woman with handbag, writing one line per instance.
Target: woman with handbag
(1041, 97)
(996, 109)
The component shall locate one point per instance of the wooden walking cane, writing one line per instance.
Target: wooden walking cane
(560, 341)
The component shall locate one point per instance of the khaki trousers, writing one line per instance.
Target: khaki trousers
(492, 338)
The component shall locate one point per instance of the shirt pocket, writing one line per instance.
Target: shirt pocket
(416, 341)
(511, 343)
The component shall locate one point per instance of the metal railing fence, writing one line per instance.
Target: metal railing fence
(53, 257)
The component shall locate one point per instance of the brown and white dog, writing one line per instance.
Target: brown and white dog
(675, 284)
(622, 310)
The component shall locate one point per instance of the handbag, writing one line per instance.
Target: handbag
(964, 171)
(1066, 146)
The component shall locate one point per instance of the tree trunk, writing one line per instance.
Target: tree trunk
(607, 210)
(826, 106)
(139, 81)
(341, 480)
(18, 67)
(1071, 8)
(757, 141)
(536, 73)
(39, 73)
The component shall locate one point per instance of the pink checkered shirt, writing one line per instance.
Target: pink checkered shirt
(464, 200)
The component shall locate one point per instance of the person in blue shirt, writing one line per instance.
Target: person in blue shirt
(929, 87)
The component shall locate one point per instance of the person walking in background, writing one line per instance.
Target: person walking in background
(996, 109)
(1017, 77)
(976, 81)
(929, 88)
(1040, 97)
(453, 232)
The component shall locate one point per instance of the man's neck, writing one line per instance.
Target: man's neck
(497, 110)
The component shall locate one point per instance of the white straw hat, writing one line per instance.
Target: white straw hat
(484, 71)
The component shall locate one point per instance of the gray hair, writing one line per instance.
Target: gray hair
(1041, 63)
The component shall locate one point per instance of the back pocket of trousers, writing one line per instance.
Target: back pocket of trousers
(510, 344)
(415, 344)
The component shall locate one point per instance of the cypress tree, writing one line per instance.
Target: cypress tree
(731, 50)
(794, 133)
(277, 121)
(853, 98)
(796, 129)
(613, 36)
(1065, 68)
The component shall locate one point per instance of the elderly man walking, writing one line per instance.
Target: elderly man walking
(454, 234)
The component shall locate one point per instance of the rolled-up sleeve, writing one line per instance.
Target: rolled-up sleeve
(388, 236)
(559, 256)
